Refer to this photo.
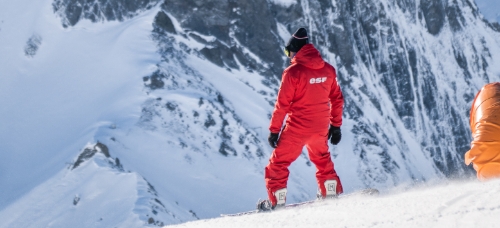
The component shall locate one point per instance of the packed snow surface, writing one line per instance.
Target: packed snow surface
(452, 204)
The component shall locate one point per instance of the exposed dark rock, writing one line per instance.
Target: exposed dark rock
(32, 45)
(89, 152)
(76, 200)
(495, 26)
(220, 56)
(193, 214)
(226, 149)
(220, 18)
(72, 11)
(155, 81)
(434, 15)
(455, 16)
(164, 22)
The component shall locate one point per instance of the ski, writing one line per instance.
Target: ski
(367, 192)
(243, 213)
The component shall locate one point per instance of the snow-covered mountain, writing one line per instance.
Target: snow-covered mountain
(138, 113)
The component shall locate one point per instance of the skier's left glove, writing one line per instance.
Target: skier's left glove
(334, 135)
(273, 139)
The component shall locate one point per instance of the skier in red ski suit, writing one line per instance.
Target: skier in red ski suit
(312, 98)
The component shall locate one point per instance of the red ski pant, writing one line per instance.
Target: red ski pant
(289, 149)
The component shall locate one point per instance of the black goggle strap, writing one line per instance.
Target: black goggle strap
(300, 38)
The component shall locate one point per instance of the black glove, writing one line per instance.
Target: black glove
(273, 139)
(334, 135)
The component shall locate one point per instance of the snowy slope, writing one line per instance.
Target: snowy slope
(52, 103)
(448, 204)
(95, 191)
(84, 84)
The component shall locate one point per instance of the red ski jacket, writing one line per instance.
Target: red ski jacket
(309, 94)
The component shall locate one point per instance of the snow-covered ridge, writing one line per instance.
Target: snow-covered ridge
(69, 199)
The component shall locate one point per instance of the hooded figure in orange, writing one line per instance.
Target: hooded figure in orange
(485, 126)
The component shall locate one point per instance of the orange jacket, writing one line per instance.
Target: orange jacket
(485, 126)
(309, 94)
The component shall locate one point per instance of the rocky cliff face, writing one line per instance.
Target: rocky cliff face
(419, 65)
(416, 66)
(72, 11)
(408, 70)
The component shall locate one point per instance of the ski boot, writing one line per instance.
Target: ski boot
(331, 190)
(266, 205)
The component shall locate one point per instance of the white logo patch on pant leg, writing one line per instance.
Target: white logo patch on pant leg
(280, 196)
(331, 187)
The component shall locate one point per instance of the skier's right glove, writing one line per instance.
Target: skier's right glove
(273, 139)
(334, 135)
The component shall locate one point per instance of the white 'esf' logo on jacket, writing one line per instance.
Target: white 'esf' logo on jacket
(317, 80)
